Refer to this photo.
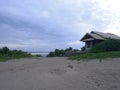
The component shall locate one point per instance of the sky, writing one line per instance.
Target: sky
(44, 25)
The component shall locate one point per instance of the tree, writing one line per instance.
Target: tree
(4, 50)
(83, 48)
(60, 53)
(69, 49)
(57, 52)
(51, 54)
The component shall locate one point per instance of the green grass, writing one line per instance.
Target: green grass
(6, 58)
(89, 56)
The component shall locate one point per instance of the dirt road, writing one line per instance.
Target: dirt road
(59, 74)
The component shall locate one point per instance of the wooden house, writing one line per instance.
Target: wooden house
(94, 37)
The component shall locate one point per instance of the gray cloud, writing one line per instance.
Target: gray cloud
(48, 24)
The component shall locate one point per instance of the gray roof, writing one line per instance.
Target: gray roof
(96, 36)
(106, 35)
(100, 36)
(88, 39)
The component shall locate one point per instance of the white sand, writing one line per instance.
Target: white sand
(59, 74)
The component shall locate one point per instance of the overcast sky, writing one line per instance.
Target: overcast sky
(43, 25)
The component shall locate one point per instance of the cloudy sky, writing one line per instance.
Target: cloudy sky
(43, 25)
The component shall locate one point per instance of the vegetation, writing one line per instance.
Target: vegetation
(83, 48)
(6, 54)
(60, 53)
(106, 49)
(101, 55)
(39, 55)
(106, 46)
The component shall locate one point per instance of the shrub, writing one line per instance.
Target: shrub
(60, 53)
(68, 49)
(106, 46)
(83, 48)
(39, 55)
(51, 54)
(4, 50)
(6, 54)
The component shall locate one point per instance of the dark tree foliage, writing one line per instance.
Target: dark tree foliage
(106, 46)
(38, 55)
(4, 50)
(69, 49)
(83, 48)
(6, 53)
(61, 53)
(51, 54)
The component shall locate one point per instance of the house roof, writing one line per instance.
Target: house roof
(95, 36)
(106, 35)
(99, 36)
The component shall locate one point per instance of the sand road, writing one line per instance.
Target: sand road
(59, 74)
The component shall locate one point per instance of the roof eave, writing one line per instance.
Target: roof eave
(83, 37)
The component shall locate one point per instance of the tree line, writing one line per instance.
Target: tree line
(63, 52)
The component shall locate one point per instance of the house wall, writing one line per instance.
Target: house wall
(90, 44)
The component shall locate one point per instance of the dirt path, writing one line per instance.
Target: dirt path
(59, 74)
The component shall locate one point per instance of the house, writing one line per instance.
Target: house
(94, 37)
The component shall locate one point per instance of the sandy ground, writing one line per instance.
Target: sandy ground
(59, 74)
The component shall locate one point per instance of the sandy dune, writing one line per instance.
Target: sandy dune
(59, 74)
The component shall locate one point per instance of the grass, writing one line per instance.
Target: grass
(103, 55)
(6, 58)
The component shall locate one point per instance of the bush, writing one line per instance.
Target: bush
(106, 46)
(51, 54)
(4, 50)
(83, 48)
(38, 55)
(6, 54)
(60, 53)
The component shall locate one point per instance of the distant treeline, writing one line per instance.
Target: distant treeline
(63, 52)
(6, 54)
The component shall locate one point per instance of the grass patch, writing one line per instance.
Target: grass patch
(102, 55)
(6, 58)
